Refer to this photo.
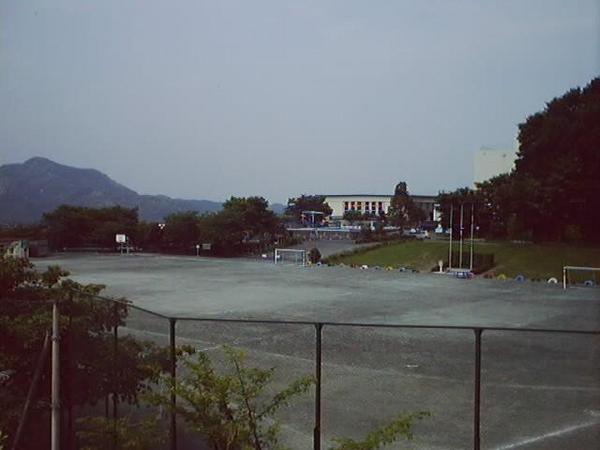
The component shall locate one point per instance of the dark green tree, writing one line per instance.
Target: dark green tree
(149, 236)
(91, 368)
(76, 226)
(553, 194)
(182, 231)
(464, 196)
(242, 224)
(559, 163)
(354, 216)
(296, 205)
(314, 255)
(403, 212)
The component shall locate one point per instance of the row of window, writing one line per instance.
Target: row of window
(358, 206)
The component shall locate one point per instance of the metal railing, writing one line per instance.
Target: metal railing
(319, 326)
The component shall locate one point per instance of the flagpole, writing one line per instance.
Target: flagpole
(451, 232)
(472, 230)
(460, 248)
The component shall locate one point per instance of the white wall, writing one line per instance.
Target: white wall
(489, 163)
(337, 202)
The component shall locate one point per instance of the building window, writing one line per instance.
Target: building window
(373, 206)
(359, 206)
(346, 206)
(352, 206)
(380, 206)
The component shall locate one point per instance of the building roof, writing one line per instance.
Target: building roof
(358, 195)
(381, 195)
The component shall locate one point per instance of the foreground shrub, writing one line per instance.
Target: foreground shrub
(232, 410)
(400, 427)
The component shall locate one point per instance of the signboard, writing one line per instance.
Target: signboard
(206, 246)
(120, 238)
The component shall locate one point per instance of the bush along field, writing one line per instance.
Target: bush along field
(533, 261)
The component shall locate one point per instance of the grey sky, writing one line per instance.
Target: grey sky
(201, 99)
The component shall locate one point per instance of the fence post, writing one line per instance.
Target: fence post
(115, 371)
(55, 385)
(477, 399)
(317, 430)
(69, 378)
(173, 428)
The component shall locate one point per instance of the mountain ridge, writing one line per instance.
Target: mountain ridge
(39, 185)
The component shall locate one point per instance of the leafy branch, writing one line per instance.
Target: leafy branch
(400, 427)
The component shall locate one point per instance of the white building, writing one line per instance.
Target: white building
(488, 163)
(364, 203)
(374, 204)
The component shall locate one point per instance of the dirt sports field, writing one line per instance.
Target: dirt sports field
(539, 391)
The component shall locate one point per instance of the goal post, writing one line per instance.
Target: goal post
(290, 256)
(569, 269)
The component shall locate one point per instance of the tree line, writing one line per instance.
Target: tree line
(553, 193)
(243, 225)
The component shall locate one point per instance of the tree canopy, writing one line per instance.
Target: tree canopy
(559, 163)
(242, 223)
(297, 205)
(239, 226)
(403, 211)
(553, 194)
(88, 360)
(77, 226)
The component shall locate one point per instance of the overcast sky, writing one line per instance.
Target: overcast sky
(199, 99)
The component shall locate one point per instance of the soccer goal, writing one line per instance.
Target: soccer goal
(290, 256)
(571, 276)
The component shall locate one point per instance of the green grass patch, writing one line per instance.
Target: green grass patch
(531, 260)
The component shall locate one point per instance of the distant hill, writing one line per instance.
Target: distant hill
(39, 185)
(277, 208)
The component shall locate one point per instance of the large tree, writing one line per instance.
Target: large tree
(77, 226)
(450, 203)
(91, 369)
(297, 205)
(403, 211)
(241, 221)
(559, 159)
(181, 230)
(553, 193)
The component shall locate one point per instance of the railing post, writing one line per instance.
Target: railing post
(115, 394)
(477, 397)
(70, 441)
(317, 430)
(173, 428)
(55, 384)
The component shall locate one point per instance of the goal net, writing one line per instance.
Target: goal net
(290, 256)
(581, 275)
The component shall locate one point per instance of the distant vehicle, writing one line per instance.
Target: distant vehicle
(417, 233)
(421, 234)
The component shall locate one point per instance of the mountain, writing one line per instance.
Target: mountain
(39, 185)
(277, 208)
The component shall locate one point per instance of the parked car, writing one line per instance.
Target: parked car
(417, 233)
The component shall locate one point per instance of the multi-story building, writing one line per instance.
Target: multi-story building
(488, 163)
